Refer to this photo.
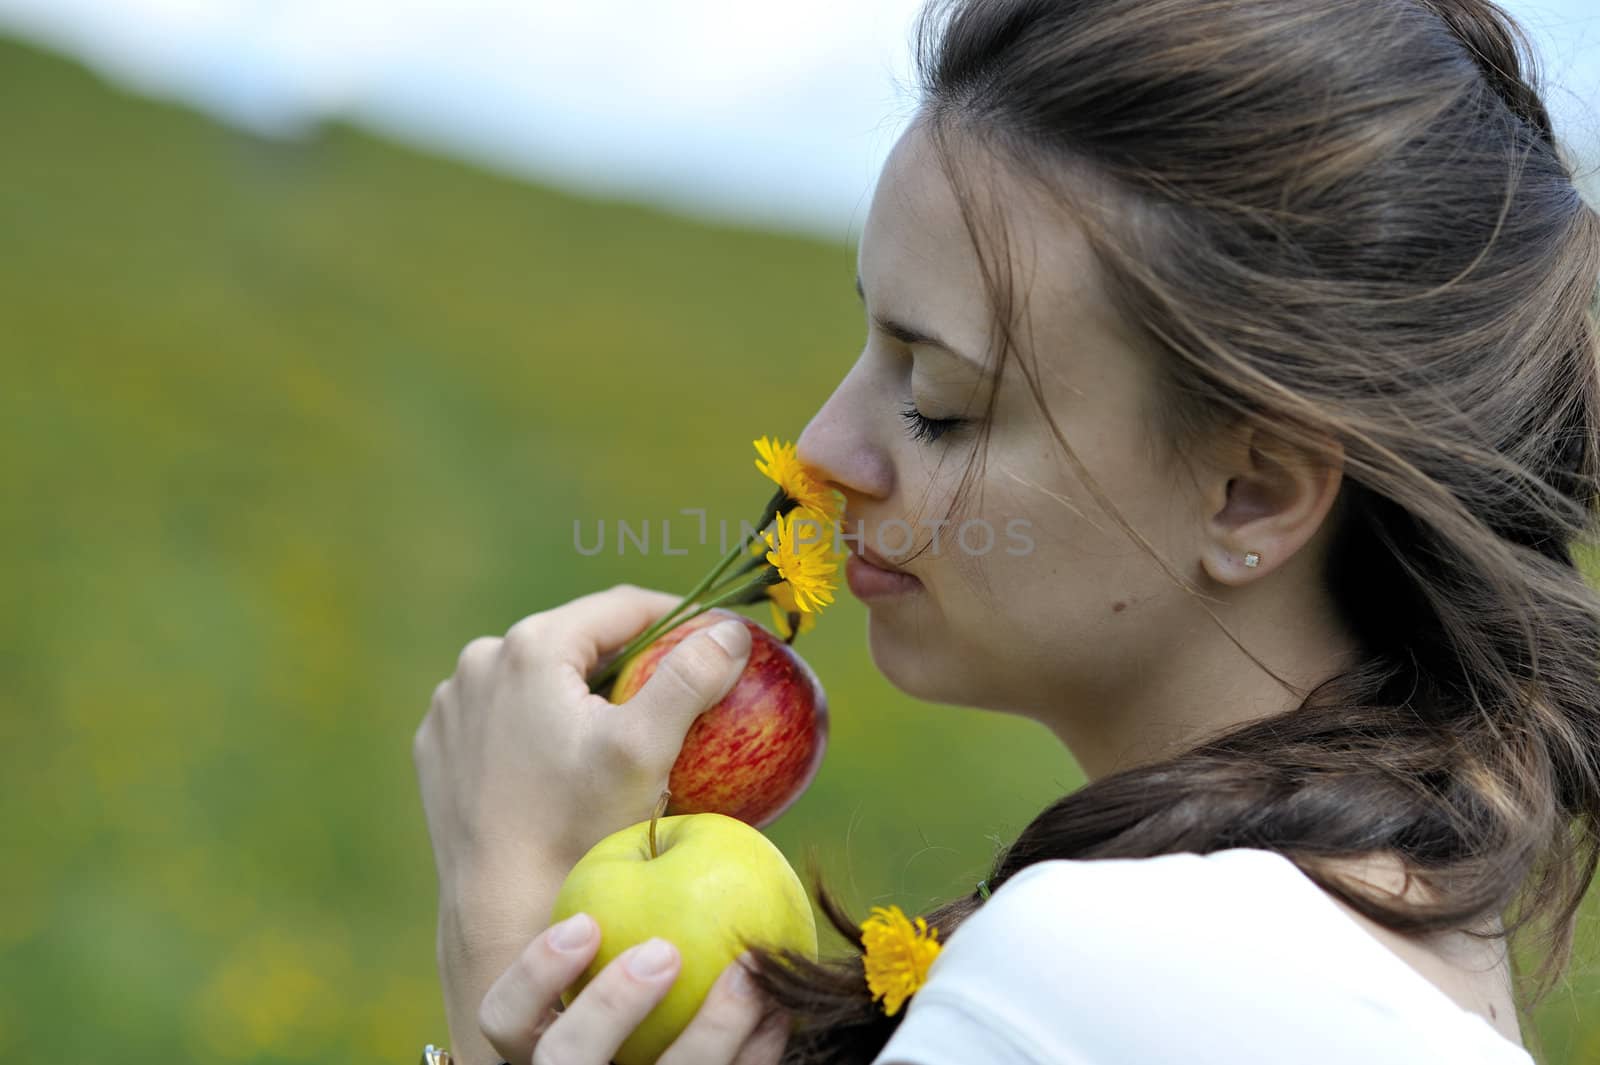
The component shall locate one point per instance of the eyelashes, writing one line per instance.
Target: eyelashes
(926, 429)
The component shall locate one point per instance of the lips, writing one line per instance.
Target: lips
(875, 581)
(872, 558)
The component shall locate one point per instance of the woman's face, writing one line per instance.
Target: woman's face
(1032, 600)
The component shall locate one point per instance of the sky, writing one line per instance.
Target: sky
(764, 114)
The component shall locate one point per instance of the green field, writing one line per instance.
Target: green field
(284, 426)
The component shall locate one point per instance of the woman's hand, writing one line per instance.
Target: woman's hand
(521, 1018)
(522, 767)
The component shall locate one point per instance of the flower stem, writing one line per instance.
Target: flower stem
(721, 600)
(673, 620)
(742, 578)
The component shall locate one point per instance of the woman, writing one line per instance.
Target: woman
(1303, 427)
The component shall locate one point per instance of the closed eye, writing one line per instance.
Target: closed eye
(927, 429)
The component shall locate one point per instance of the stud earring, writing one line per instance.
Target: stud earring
(1251, 559)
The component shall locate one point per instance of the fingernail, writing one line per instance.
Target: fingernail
(732, 635)
(650, 959)
(740, 982)
(572, 933)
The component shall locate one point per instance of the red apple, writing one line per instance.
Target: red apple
(751, 755)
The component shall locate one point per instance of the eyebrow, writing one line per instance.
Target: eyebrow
(907, 335)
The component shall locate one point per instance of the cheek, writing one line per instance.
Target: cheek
(1064, 591)
(923, 522)
(1075, 569)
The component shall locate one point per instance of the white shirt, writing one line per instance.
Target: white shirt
(1230, 958)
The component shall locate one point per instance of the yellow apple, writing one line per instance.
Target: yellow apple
(707, 880)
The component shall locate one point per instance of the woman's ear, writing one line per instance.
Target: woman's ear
(1266, 497)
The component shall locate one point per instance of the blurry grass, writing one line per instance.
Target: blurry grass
(284, 426)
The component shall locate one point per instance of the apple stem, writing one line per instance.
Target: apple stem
(661, 808)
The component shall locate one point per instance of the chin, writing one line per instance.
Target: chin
(912, 663)
(924, 663)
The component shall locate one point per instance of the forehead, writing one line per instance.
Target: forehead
(918, 264)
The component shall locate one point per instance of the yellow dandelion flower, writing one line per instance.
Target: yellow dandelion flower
(781, 598)
(896, 955)
(828, 502)
(778, 461)
(816, 529)
(799, 482)
(813, 529)
(801, 548)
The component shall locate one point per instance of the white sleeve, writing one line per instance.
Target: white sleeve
(949, 1028)
(1231, 958)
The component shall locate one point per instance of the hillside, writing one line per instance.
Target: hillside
(285, 425)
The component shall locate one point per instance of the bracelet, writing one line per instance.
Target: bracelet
(432, 1055)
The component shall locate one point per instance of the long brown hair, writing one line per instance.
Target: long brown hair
(1348, 221)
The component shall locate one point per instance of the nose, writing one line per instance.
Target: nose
(838, 443)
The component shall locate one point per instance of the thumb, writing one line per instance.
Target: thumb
(696, 674)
